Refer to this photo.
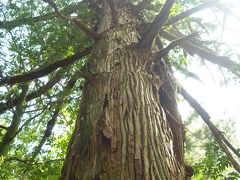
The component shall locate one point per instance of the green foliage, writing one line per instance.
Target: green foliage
(215, 164)
(204, 154)
(36, 45)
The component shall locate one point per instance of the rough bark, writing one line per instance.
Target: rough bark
(128, 126)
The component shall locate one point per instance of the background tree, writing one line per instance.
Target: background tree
(103, 64)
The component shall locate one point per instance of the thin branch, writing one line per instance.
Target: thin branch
(229, 144)
(78, 22)
(28, 121)
(26, 161)
(187, 72)
(215, 132)
(227, 10)
(174, 119)
(163, 52)
(51, 123)
(222, 61)
(177, 33)
(46, 70)
(156, 25)
(27, 21)
(49, 161)
(142, 5)
(11, 103)
(199, 22)
(3, 127)
(16, 119)
(181, 69)
(32, 111)
(189, 12)
(193, 75)
(17, 159)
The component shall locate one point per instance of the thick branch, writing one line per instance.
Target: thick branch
(78, 22)
(46, 70)
(163, 52)
(222, 61)
(190, 12)
(29, 20)
(157, 24)
(205, 116)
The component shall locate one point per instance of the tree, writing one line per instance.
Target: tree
(111, 57)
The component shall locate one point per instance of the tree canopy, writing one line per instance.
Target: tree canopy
(44, 50)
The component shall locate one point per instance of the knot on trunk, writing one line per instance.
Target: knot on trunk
(188, 171)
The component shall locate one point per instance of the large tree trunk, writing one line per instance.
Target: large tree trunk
(128, 126)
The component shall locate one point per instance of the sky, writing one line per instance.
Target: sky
(220, 98)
